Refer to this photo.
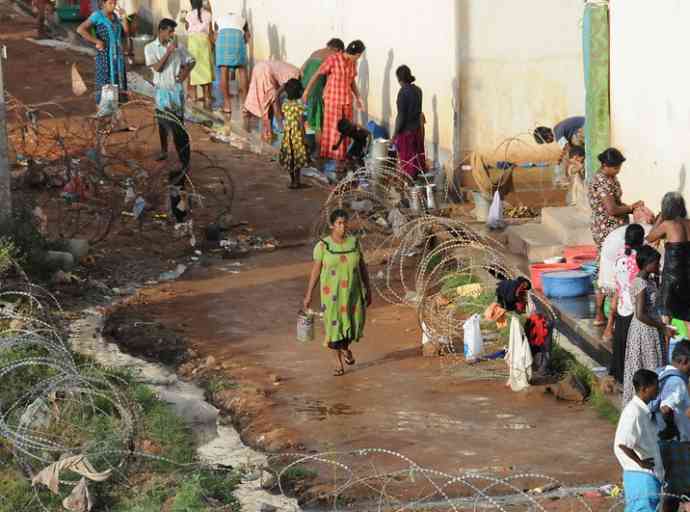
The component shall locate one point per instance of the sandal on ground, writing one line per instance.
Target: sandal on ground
(349, 358)
(338, 372)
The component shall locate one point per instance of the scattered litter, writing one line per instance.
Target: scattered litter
(173, 274)
(545, 489)
(242, 244)
(78, 86)
(520, 212)
(138, 207)
(610, 490)
(365, 205)
(312, 172)
(473, 290)
(382, 222)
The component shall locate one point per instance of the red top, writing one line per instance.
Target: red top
(341, 72)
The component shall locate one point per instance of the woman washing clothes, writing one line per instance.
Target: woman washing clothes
(608, 211)
(624, 271)
(647, 331)
(345, 289)
(673, 226)
(200, 29)
(314, 102)
(265, 88)
(111, 28)
(340, 71)
(409, 125)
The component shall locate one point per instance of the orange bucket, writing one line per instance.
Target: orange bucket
(580, 253)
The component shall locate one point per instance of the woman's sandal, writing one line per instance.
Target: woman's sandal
(349, 359)
(338, 372)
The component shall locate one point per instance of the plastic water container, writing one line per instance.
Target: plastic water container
(538, 269)
(567, 283)
(481, 207)
(580, 253)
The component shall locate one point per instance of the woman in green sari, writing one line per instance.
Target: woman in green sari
(345, 289)
(314, 105)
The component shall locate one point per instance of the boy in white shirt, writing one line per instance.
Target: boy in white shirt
(637, 447)
(171, 65)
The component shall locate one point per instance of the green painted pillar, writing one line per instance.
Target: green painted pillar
(596, 63)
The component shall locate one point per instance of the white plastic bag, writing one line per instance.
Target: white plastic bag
(108, 106)
(474, 343)
(495, 218)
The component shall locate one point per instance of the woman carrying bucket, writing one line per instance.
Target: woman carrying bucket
(345, 289)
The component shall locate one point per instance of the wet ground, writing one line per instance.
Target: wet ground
(392, 398)
(286, 397)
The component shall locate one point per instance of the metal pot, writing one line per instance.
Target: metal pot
(140, 43)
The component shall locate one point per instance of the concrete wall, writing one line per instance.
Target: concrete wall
(489, 69)
(421, 37)
(650, 105)
(520, 66)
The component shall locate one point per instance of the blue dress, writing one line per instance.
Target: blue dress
(110, 62)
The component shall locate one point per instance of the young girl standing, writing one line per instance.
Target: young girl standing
(293, 149)
(647, 330)
(199, 27)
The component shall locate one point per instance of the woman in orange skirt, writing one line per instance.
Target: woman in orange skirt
(340, 70)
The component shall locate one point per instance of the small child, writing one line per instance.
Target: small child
(576, 173)
(636, 447)
(647, 329)
(360, 138)
(293, 149)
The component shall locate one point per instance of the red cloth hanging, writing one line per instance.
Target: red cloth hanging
(536, 329)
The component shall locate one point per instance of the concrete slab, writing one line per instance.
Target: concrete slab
(571, 224)
(535, 241)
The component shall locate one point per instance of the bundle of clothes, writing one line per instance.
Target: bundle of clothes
(530, 342)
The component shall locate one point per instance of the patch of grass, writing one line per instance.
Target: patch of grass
(564, 363)
(471, 306)
(16, 493)
(216, 384)
(453, 280)
(146, 500)
(145, 397)
(8, 254)
(170, 432)
(190, 496)
(197, 490)
(220, 486)
(297, 473)
(29, 245)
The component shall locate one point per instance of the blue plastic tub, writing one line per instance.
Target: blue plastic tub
(568, 283)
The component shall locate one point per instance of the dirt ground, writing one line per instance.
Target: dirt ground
(238, 319)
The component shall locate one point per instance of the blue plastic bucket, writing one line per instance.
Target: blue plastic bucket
(568, 283)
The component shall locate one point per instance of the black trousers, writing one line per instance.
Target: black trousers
(170, 123)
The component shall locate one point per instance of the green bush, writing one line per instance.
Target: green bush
(29, 244)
